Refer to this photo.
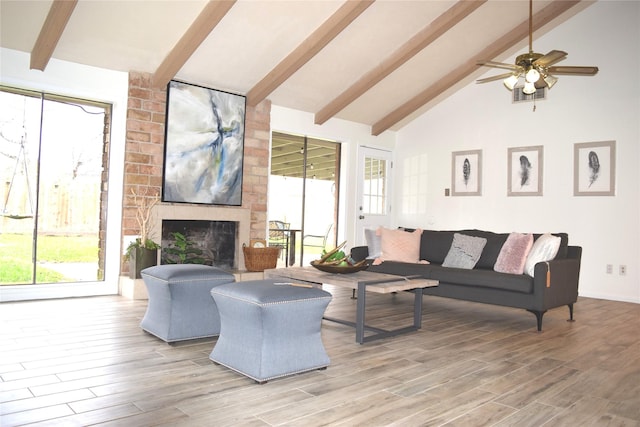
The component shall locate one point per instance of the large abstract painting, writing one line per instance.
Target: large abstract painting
(204, 145)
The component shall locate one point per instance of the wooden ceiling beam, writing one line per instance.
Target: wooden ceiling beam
(333, 26)
(51, 32)
(418, 42)
(207, 20)
(496, 48)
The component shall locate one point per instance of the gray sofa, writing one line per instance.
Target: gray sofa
(483, 284)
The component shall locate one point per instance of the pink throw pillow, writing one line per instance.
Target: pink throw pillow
(399, 245)
(513, 254)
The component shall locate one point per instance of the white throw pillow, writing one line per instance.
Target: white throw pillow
(545, 248)
(374, 242)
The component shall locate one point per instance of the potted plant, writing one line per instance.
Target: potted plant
(182, 251)
(143, 251)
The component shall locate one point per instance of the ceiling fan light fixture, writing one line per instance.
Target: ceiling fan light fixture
(511, 81)
(535, 67)
(532, 75)
(529, 88)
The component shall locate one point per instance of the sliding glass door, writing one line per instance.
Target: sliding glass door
(303, 192)
(53, 157)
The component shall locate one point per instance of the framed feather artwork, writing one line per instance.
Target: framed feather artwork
(204, 145)
(466, 173)
(594, 168)
(525, 165)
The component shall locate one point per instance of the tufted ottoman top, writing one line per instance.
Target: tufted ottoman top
(266, 292)
(176, 273)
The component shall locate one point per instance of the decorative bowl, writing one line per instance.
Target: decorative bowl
(328, 268)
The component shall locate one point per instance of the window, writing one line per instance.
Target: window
(374, 191)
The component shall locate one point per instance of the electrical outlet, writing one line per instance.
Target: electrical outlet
(609, 268)
(446, 192)
(623, 270)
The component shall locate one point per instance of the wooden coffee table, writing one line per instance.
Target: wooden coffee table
(362, 282)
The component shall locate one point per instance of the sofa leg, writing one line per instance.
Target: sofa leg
(570, 319)
(539, 315)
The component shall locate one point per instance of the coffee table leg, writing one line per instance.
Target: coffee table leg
(360, 313)
(417, 308)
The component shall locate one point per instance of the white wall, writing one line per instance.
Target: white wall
(351, 135)
(578, 109)
(80, 81)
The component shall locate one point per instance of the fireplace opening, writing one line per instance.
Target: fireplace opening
(199, 242)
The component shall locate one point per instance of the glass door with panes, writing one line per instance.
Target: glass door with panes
(303, 195)
(52, 165)
(373, 191)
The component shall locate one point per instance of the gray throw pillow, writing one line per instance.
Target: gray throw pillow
(465, 251)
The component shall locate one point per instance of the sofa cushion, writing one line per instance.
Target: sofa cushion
(513, 254)
(465, 251)
(435, 245)
(482, 278)
(399, 245)
(491, 249)
(545, 248)
(520, 283)
(403, 268)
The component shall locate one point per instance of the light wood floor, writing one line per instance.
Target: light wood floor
(86, 362)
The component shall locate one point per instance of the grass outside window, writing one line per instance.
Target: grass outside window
(15, 256)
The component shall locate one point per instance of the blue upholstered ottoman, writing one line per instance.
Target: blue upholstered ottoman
(269, 331)
(180, 304)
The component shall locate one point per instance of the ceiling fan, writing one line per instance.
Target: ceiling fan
(537, 69)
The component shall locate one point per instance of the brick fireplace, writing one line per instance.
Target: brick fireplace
(143, 168)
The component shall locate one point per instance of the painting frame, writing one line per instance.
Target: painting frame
(594, 163)
(466, 173)
(525, 171)
(204, 145)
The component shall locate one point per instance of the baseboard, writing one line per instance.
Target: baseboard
(132, 289)
(609, 297)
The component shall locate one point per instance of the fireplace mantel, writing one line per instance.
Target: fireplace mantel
(173, 211)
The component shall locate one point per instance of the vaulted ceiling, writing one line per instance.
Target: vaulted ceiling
(381, 63)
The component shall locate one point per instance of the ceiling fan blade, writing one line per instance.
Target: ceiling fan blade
(540, 84)
(494, 78)
(550, 58)
(500, 65)
(578, 71)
